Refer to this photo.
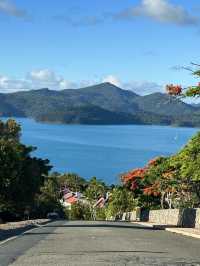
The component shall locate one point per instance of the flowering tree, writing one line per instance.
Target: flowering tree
(168, 182)
(143, 185)
(161, 182)
(191, 91)
(186, 162)
(187, 165)
(157, 184)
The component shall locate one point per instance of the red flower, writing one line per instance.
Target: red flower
(134, 174)
(151, 191)
(174, 90)
(153, 161)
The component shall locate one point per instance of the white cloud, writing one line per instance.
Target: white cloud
(66, 84)
(144, 87)
(36, 79)
(139, 87)
(112, 79)
(11, 9)
(45, 78)
(161, 11)
(43, 75)
(8, 84)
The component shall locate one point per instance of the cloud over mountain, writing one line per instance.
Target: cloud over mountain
(36, 79)
(113, 79)
(46, 78)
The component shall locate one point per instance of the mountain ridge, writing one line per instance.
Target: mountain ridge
(98, 103)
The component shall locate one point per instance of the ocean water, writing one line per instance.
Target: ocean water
(102, 151)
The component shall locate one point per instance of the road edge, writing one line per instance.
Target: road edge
(181, 232)
(24, 230)
(169, 228)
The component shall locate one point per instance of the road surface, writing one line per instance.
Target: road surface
(99, 243)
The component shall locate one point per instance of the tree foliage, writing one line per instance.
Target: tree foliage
(72, 181)
(168, 182)
(121, 200)
(21, 175)
(191, 91)
(95, 189)
(48, 199)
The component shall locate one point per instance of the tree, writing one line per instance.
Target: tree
(159, 184)
(187, 165)
(95, 189)
(10, 130)
(73, 181)
(137, 181)
(168, 182)
(187, 161)
(122, 200)
(48, 200)
(152, 185)
(21, 175)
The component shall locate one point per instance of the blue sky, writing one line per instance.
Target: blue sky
(63, 44)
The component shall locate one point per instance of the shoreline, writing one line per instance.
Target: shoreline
(91, 124)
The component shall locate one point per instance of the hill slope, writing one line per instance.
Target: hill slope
(100, 104)
(164, 104)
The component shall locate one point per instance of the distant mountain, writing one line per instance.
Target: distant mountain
(164, 104)
(99, 104)
(88, 114)
(91, 114)
(7, 109)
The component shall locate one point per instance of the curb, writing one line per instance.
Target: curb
(172, 229)
(153, 226)
(144, 224)
(181, 232)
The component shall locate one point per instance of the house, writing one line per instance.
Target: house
(71, 198)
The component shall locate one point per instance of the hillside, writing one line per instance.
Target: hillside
(99, 104)
(164, 104)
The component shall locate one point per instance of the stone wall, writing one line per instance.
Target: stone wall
(129, 216)
(197, 223)
(174, 217)
(133, 216)
(168, 217)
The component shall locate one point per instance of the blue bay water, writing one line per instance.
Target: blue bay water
(102, 151)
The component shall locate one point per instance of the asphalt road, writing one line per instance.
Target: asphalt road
(99, 243)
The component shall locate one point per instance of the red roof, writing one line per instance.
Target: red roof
(71, 200)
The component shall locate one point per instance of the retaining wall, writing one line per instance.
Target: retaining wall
(168, 217)
(197, 223)
(175, 217)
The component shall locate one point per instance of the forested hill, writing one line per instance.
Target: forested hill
(99, 104)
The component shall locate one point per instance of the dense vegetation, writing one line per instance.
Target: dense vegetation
(21, 175)
(99, 104)
(172, 182)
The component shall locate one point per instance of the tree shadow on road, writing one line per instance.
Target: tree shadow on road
(41, 233)
(83, 252)
(121, 225)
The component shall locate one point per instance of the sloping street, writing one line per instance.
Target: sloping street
(99, 243)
